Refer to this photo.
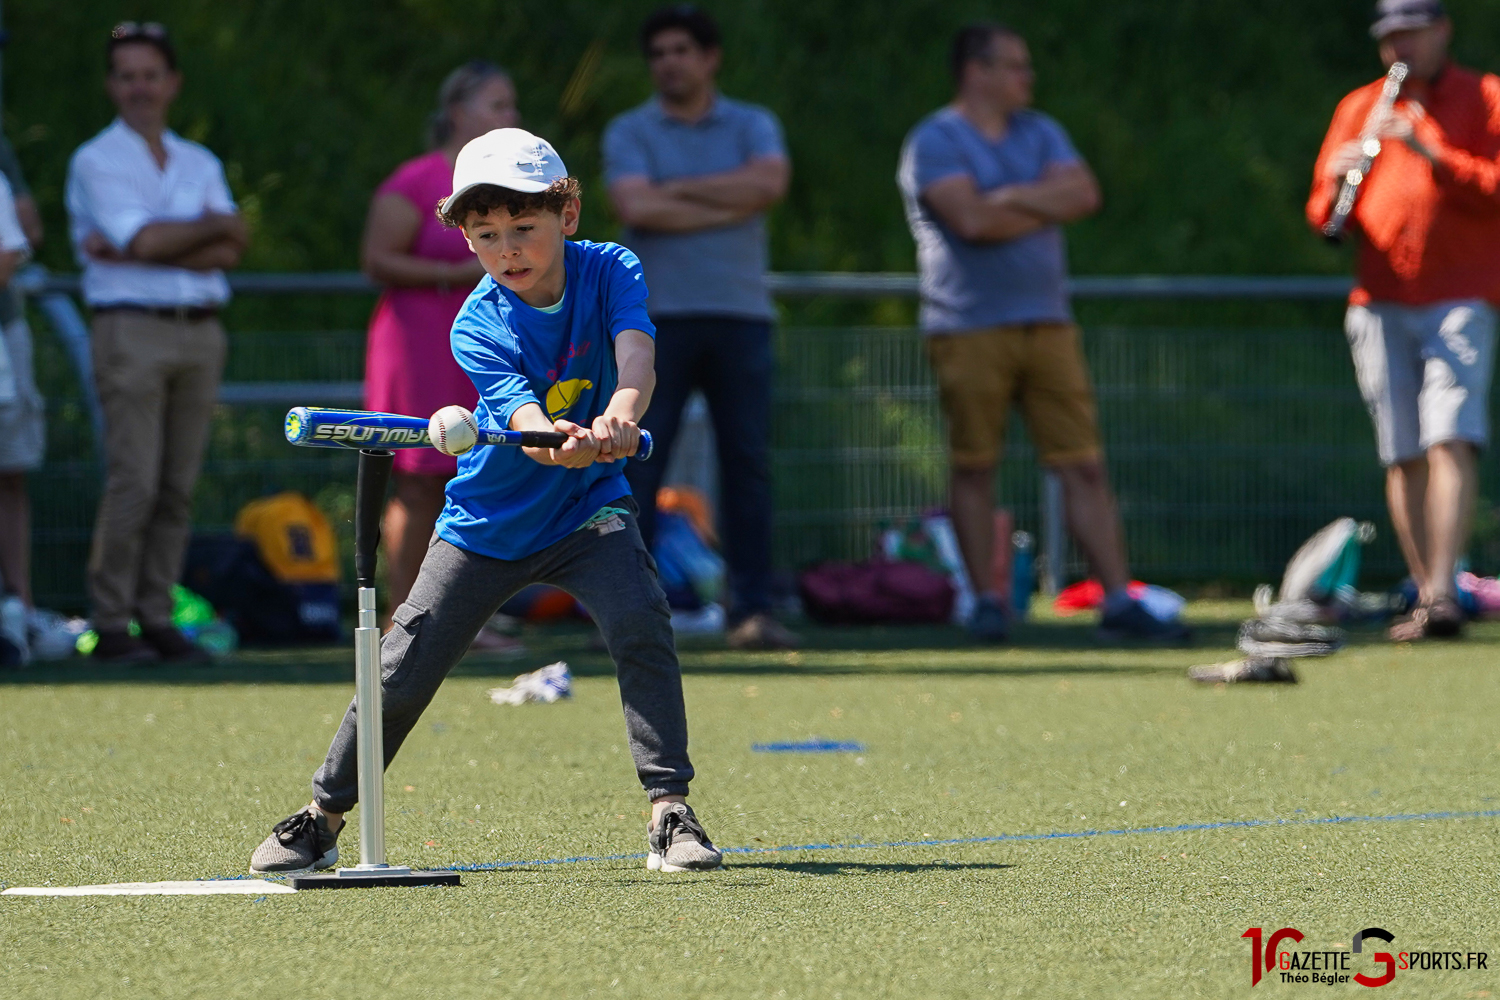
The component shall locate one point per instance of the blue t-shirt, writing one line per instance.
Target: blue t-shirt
(966, 285)
(719, 271)
(502, 504)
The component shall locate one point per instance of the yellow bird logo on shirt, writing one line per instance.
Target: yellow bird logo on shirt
(562, 396)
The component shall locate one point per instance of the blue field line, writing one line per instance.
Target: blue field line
(810, 746)
(1240, 824)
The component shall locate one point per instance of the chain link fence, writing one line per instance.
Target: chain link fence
(1227, 446)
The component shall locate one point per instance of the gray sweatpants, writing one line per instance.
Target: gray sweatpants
(456, 592)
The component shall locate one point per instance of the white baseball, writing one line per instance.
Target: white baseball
(453, 430)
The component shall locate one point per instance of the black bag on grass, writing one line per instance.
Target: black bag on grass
(229, 571)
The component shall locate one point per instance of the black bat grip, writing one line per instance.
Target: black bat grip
(543, 439)
(369, 503)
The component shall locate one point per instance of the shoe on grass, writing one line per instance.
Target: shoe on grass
(301, 842)
(53, 636)
(761, 631)
(988, 622)
(1250, 670)
(175, 648)
(1440, 619)
(489, 641)
(1134, 623)
(680, 844)
(13, 625)
(1445, 619)
(119, 647)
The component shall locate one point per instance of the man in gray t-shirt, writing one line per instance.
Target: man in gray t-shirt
(691, 174)
(988, 183)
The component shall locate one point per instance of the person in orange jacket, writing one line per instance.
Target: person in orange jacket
(1421, 319)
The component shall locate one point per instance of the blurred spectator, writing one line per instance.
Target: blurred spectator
(26, 210)
(691, 174)
(22, 436)
(154, 227)
(987, 184)
(1421, 320)
(22, 428)
(428, 271)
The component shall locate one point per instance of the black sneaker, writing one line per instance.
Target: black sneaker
(1133, 623)
(121, 648)
(175, 648)
(680, 843)
(301, 842)
(988, 622)
(1250, 670)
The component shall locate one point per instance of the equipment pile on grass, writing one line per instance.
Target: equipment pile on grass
(1318, 587)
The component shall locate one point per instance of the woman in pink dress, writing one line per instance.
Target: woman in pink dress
(428, 272)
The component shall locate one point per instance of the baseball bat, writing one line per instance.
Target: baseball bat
(316, 427)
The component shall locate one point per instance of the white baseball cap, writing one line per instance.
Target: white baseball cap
(507, 157)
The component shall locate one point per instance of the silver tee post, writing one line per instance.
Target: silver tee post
(371, 733)
(369, 500)
(369, 725)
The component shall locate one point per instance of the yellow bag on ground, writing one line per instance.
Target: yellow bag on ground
(295, 540)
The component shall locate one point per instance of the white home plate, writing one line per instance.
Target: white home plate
(206, 887)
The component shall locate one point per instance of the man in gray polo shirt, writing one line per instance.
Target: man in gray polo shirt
(988, 183)
(691, 173)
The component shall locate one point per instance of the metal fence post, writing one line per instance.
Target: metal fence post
(1054, 539)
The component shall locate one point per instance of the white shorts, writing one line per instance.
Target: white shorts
(1424, 372)
(23, 429)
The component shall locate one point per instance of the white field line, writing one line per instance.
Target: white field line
(205, 887)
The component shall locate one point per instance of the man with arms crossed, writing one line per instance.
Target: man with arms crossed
(988, 183)
(1421, 319)
(154, 227)
(691, 174)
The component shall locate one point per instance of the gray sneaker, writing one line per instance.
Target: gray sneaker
(1250, 670)
(299, 843)
(680, 843)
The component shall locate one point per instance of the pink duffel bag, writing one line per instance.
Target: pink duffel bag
(874, 593)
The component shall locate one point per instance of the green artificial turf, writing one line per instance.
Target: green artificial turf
(147, 775)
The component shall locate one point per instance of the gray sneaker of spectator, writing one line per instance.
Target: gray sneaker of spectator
(1251, 670)
(988, 622)
(680, 844)
(301, 842)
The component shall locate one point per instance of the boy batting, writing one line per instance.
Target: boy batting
(554, 337)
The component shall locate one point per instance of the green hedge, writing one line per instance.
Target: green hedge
(1201, 118)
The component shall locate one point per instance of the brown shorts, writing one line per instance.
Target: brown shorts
(1038, 366)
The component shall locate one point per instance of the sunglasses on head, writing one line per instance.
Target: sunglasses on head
(137, 29)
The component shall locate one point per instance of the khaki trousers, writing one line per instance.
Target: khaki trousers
(158, 382)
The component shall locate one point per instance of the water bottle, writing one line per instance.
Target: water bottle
(1022, 572)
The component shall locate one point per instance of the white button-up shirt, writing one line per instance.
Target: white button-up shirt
(115, 189)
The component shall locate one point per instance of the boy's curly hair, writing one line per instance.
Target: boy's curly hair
(487, 198)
